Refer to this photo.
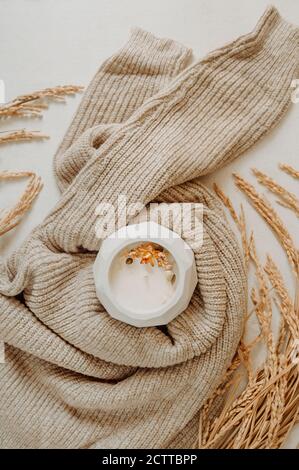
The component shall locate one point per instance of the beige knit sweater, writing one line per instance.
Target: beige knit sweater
(73, 376)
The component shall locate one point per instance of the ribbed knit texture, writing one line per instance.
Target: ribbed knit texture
(146, 127)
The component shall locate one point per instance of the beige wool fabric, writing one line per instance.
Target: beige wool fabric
(147, 128)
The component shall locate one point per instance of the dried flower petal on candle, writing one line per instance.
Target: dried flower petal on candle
(149, 253)
(158, 247)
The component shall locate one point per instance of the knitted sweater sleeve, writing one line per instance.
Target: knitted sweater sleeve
(209, 114)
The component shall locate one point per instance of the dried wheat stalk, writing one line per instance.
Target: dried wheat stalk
(287, 199)
(289, 170)
(21, 135)
(239, 221)
(12, 217)
(265, 209)
(32, 105)
(266, 409)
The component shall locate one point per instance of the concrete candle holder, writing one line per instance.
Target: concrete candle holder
(138, 294)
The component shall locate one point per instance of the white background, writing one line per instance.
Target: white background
(45, 43)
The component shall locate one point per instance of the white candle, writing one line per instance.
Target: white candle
(141, 288)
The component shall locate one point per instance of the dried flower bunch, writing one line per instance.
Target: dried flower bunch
(257, 406)
(289, 170)
(21, 135)
(30, 105)
(11, 217)
(267, 211)
(33, 104)
(286, 198)
(151, 253)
